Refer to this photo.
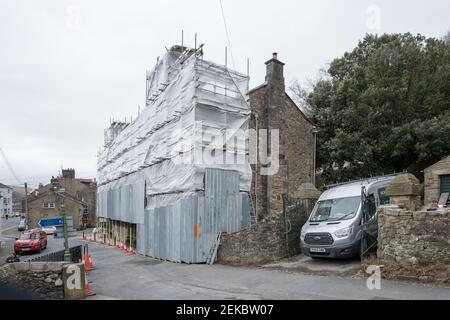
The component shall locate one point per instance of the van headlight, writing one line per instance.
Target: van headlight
(343, 233)
(302, 233)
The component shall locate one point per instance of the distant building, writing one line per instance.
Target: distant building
(18, 195)
(5, 200)
(79, 196)
(437, 183)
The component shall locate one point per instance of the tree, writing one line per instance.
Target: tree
(385, 107)
(446, 38)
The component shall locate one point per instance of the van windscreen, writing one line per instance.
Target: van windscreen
(335, 209)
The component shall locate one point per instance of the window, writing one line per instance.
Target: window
(444, 183)
(335, 209)
(48, 205)
(28, 236)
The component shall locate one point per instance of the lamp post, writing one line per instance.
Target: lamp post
(62, 210)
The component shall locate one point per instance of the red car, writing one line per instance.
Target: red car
(31, 241)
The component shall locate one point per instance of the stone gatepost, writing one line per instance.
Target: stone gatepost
(308, 193)
(404, 191)
(74, 280)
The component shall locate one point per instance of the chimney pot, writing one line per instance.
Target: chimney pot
(275, 55)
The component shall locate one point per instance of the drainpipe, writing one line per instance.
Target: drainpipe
(256, 167)
(314, 158)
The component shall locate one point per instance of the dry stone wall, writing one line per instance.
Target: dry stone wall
(417, 242)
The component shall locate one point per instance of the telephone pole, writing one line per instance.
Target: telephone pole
(26, 203)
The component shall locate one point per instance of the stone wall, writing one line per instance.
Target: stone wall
(44, 278)
(414, 244)
(432, 181)
(266, 240)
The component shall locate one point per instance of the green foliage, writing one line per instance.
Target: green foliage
(384, 108)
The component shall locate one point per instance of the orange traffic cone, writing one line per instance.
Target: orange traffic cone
(87, 288)
(88, 263)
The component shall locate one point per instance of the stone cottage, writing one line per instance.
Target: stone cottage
(79, 199)
(437, 183)
(273, 234)
(272, 108)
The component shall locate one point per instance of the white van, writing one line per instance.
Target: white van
(333, 229)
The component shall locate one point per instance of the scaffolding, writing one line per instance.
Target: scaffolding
(152, 162)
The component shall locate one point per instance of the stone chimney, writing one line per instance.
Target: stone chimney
(274, 69)
(275, 115)
(68, 173)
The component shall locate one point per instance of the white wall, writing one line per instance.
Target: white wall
(5, 201)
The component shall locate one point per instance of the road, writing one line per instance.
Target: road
(9, 224)
(10, 232)
(117, 275)
(120, 276)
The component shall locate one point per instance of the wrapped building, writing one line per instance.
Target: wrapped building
(178, 175)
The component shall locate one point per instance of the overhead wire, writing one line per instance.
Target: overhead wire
(9, 166)
(227, 33)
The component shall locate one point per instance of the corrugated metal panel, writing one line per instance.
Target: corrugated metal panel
(186, 230)
(123, 204)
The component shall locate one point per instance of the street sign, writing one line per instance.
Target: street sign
(49, 222)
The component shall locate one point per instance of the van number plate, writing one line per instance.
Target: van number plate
(316, 249)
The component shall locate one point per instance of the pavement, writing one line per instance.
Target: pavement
(326, 267)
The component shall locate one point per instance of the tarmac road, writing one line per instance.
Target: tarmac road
(117, 275)
(10, 223)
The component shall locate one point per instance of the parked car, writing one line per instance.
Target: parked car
(31, 241)
(49, 229)
(22, 225)
(333, 229)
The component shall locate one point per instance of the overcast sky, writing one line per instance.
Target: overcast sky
(66, 67)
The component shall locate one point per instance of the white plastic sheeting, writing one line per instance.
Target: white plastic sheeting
(187, 98)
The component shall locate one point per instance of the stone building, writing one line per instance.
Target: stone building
(79, 198)
(272, 108)
(437, 183)
(5, 200)
(275, 234)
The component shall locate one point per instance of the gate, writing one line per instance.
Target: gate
(295, 213)
(369, 224)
